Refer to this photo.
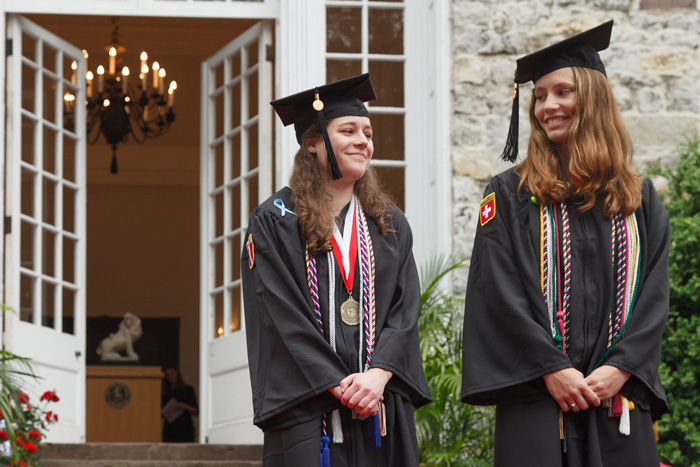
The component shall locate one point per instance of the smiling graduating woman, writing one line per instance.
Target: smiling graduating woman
(567, 297)
(332, 297)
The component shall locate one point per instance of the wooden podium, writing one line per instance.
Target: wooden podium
(123, 404)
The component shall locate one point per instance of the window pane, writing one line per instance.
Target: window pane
(385, 31)
(392, 179)
(68, 311)
(344, 30)
(49, 150)
(235, 90)
(218, 315)
(48, 304)
(27, 201)
(253, 147)
(218, 251)
(28, 88)
(339, 69)
(28, 247)
(252, 95)
(28, 130)
(389, 88)
(49, 97)
(69, 158)
(49, 253)
(69, 252)
(49, 203)
(235, 324)
(235, 206)
(26, 301)
(388, 136)
(69, 199)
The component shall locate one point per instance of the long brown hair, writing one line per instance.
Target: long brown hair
(600, 154)
(312, 202)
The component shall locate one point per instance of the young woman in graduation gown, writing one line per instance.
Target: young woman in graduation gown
(567, 297)
(333, 381)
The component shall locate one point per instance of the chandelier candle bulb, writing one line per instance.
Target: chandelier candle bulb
(73, 66)
(156, 67)
(161, 75)
(100, 78)
(144, 57)
(125, 79)
(85, 54)
(144, 75)
(171, 97)
(88, 79)
(112, 61)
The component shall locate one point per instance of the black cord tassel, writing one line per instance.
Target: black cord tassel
(510, 152)
(333, 169)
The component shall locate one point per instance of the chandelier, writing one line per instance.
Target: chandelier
(119, 106)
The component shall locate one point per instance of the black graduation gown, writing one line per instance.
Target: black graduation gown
(180, 430)
(508, 345)
(292, 366)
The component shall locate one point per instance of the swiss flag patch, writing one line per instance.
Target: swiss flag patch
(487, 210)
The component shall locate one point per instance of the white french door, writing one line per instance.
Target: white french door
(45, 205)
(236, 175)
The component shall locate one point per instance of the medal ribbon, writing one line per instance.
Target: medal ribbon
(345, 246)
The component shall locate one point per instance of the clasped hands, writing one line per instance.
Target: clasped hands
(574, 392)
(362, 391)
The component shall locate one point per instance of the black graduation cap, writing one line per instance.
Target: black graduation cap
(580, 50)
(345, 97)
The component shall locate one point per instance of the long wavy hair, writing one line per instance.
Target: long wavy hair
(312, 202)
(600, 154)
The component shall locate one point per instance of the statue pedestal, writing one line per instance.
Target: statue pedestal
(123, 404)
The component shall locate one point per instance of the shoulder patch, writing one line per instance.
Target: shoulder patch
(251, 251)
(487, 209)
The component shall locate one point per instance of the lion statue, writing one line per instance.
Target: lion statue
(122, 341)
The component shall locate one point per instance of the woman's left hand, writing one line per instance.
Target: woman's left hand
(363, 391)
(607, 380)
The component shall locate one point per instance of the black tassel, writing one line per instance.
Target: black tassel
(333, 169)
(113, 167)
(510, 152)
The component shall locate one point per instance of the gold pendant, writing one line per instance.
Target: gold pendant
(350, 312)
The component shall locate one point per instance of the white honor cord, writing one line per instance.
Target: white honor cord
(336, 426)
(344, 240)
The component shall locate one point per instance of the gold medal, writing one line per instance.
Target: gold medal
(350, 312)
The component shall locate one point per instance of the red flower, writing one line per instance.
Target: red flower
(48, 416)
(20, 463)
(50, 396)
(23, 398)
(3, 435)
(1, 415)
(29, 446)
(34, 434)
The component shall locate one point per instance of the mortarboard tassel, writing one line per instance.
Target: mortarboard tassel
(337, 427)
(332, 162)
(625, 418)
(325, 452)
(510, 152)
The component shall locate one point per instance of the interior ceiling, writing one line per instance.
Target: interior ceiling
(180, 45)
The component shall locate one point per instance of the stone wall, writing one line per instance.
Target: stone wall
(653, 64)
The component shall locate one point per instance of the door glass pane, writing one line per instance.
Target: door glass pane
(218, 164)
(393, 180)
(49, 55)
(252, 94)
(70, 68)
(49, 253)
(28, 88)
(69, 195)
(49, 149)
(389, 92)
(29, 47)
(235, 147)
(385, 31)
(219, 214)
(26, 301)
(28, 131)
(27, 201)
(49, 86)
(218, 76)
(218, 264)
(27, 245)
(68, 311)
(69, 158)
(219, 114)
(252, 54)
(388, 137)
(218, 315)
(48, 304)
(235, 257)
(235, 61)
(253, 147)
(69, 258)
(235, 205)
(49, 202)
(235, 324)
(236, 103)
(344, 30)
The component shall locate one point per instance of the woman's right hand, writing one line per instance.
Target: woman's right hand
(569, 388)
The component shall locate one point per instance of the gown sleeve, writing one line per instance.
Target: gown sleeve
(639, 349)
(398, 348)
(507, 343)
(290, 361)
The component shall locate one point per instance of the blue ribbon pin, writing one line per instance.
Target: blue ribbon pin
(279, 204)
